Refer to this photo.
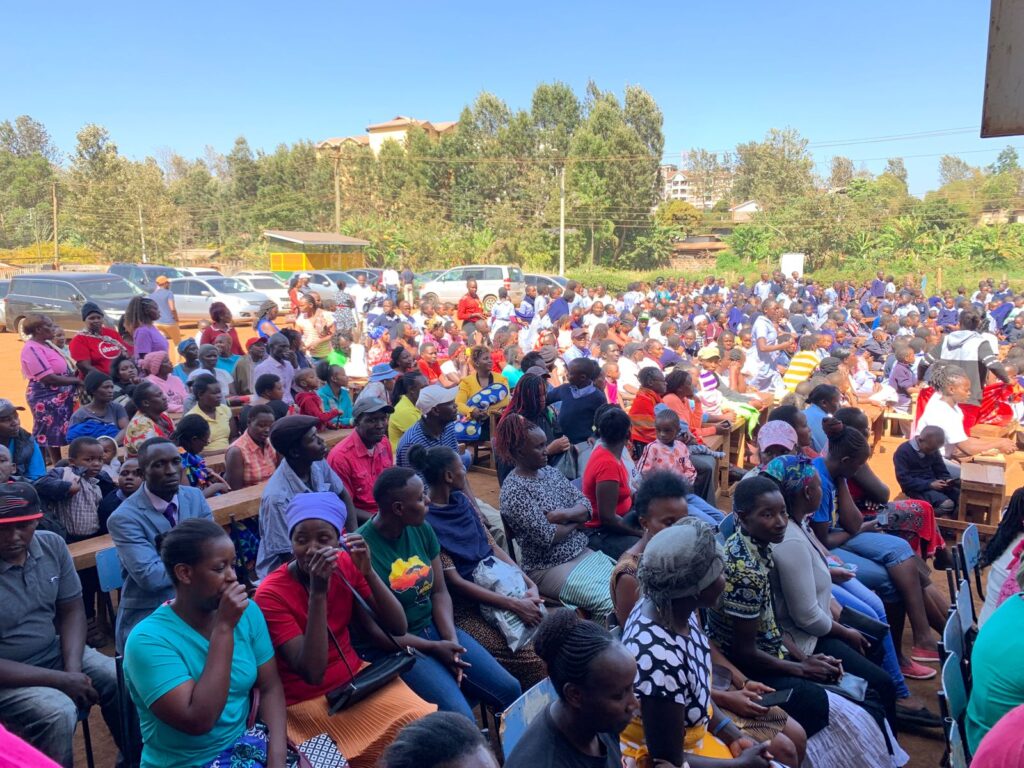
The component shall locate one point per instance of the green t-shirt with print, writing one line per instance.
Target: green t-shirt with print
(404, 565)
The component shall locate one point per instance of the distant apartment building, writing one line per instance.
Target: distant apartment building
(678, 184)
(395, 129)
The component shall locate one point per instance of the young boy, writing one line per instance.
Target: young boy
(670, 454)
(307, 399)
(111, 463)
(71, 497)
(903, 379)
(71, 494)
(922, 473)
(129, 478)
(7, 466)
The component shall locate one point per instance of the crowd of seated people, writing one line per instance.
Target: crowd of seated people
(608, 419)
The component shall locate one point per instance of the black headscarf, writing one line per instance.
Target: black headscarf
(89, 307)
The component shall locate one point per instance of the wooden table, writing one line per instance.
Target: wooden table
(982, 488)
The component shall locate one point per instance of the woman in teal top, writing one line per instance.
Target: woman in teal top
(191, 665)
(334, 394)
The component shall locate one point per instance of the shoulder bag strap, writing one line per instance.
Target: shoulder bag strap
(369, 611)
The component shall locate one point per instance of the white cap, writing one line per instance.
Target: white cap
(433, 396)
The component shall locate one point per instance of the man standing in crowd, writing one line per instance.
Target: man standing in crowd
(167, 323)
(390, 279)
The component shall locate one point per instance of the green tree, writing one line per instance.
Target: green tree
(896, 168)
(842, 172)
(26, 137)
(953, 169)
(1006, 162)
(679, 215)
(775, 170)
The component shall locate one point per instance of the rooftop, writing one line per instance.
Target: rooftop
(313, 238)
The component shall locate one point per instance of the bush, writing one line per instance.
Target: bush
(42, 253)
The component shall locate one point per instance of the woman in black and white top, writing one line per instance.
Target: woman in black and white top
(680, 572)
(546, 513)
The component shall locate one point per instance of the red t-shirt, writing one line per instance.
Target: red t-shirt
(210, 334)
(432, 372)
(469, 308)
(99, 352)
(603, 466)
(285, 605)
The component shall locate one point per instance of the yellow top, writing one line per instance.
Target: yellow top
(220, 427)
(406, 414)
(470, 385)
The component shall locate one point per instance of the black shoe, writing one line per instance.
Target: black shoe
(921, 717)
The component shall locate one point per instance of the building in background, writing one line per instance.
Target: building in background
(680, 184)
(395, 129)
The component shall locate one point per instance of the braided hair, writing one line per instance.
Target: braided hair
(527, 397)
(569, 645)
(845, 442)
(510, 433)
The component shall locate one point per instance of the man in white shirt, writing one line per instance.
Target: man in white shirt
(390, 279)
(763, 287)
(361, 292)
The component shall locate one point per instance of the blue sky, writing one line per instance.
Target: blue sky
(186, 75)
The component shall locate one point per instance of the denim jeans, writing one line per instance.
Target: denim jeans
(485, 680)
(874, 554)
(853, 594)
(699, 508)
(704, 485)
(46, 718)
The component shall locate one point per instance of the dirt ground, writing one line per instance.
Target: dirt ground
(925, 751)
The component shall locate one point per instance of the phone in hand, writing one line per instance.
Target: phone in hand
(775, 698)
(882, 518)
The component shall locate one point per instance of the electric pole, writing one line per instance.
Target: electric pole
(142, 234)
(561, 225)
(56, 252)
(337, 192)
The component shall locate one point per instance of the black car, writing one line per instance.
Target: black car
(60, 296)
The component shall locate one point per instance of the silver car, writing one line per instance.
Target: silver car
(194, 295)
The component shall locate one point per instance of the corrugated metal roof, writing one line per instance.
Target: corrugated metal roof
(313, 238)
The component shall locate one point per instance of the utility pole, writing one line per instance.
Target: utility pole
(561, 225)
(56, 251)
(142, 234)
(337, 191)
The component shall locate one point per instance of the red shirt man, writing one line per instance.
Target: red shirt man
(362, 456)
(470, 309)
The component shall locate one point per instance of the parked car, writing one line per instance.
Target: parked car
(550, 281)
(5, 286)
(60, 296)
(193, 297)
(425, 277)
(326, 278)
(144, 275)
(373, 275)
(257, 273)
(270, 285)
(200, 272)
(450, 285)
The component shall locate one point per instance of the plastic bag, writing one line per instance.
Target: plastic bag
(504, 579)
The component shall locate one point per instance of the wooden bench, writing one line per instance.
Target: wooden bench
(237, 504)
(215, 460)
(894, 421)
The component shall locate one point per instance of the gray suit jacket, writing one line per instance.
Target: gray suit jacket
(134, 527)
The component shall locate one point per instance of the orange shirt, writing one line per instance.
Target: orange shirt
(642, 414)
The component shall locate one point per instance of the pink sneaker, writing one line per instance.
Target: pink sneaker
(916, 671)
(925, 655)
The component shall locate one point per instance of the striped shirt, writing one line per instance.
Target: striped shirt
(416, 436)
(800, 369)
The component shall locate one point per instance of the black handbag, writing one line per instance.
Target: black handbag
(378, 674)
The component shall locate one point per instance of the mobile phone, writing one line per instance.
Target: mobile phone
(775, 698)
(882, 518)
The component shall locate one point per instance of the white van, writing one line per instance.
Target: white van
(451, 284)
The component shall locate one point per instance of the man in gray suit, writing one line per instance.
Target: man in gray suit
(159, 505)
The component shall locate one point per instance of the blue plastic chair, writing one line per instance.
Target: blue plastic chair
(517, 718)
(953, 701)
(969, 550)
(956, 746)
(953, 635)
(727, 527)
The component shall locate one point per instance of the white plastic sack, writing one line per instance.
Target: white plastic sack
(504, 579)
